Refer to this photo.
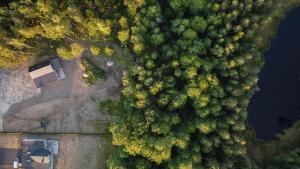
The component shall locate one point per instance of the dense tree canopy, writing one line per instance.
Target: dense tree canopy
(186, 97)
(195, 67)
(29, 27)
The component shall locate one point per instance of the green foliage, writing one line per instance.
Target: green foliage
(187, 94)
(26, 27)
(184, 100)
(91, 72)
(112, 107)
(287, 160)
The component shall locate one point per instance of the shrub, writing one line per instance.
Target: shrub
(123, 35)
(95, 50)
(91, 72)
(109, 51)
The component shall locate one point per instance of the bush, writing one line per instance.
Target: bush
(123, 36)
(75, 50)
(95, 50)
(109, 51)
(91, 72)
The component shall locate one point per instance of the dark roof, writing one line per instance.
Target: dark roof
(38, 66)
(46, 72)
(41, 152)
(34, 147)
(55, 63)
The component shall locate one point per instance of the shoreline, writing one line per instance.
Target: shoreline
(261, 150)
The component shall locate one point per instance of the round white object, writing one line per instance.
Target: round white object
(85, 75)
(109, 63)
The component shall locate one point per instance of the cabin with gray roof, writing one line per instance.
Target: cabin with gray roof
(46, 72)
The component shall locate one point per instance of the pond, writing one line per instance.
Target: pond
(277, 104)
(4, 2)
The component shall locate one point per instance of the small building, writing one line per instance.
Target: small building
(46, 72)
(39, 153)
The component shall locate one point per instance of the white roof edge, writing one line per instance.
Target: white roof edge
(42, 71)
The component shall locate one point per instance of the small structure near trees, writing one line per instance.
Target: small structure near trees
(46, 72)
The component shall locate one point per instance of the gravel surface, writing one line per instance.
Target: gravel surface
(15, 86)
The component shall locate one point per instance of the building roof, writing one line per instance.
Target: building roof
(41, 71)
(35, 155)
(55, 63)
(42, 152)
(46, 72)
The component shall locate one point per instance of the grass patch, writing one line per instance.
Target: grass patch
(92, 73)
(109, 106)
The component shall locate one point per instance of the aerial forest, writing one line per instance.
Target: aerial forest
(184, 101)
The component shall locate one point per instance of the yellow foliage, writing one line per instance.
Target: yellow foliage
(133, 5)
(231, 64)
(95, 50)
(194, 92)
(154, 89)
(76, 49)
(123, 35)
(138, 48)
(174, 63)
(125, 79)
(203, 84)
(141, 99)
(68, 54)
(96, 27)
(108, 51)
(191, 72)
(123, 22)
(213, 80)
(229, 48)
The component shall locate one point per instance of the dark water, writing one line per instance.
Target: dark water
(4, 2)
(277, 105)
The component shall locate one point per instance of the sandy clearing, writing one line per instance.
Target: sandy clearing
(16, 86)
(65, 104)
(11, 141)
(82, 152)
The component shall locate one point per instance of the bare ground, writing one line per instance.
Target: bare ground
(65, 104)
(11, 141)
(13, 89)
(82, 152)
